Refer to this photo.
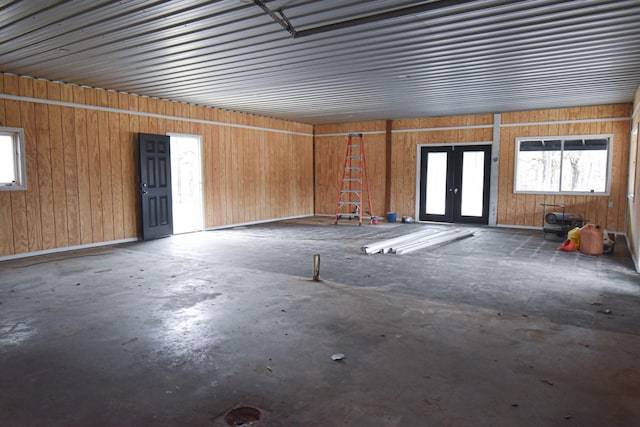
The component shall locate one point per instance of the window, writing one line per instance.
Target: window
(12, 165)
(574, 164)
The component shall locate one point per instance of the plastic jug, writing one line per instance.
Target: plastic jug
(574, 234)
(591, 240)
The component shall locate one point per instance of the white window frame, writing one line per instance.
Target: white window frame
(19, 159)
(607, 191)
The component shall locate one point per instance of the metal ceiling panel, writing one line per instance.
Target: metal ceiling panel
(347, 60)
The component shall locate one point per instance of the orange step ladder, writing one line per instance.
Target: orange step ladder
(354, 180)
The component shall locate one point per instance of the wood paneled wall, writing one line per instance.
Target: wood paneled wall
(633, 206)
(82, 167)
(434, 130)
(329, 158)
(513, 209)
(525, 209)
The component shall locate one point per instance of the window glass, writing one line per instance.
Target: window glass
(539, 165)
(585, 166)
(7, 160)
(12, 166)
(557, 165)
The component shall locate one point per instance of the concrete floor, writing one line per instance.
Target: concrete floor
(500, 329)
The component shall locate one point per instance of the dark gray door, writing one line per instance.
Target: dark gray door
(155, 186)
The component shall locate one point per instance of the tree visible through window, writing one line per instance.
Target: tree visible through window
(574, 164)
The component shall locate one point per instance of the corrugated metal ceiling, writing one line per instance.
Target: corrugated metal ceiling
(350, 60)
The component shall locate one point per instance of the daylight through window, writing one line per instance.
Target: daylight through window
(576, 164)
(12, 167)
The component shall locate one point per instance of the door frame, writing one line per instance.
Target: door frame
(419, 148)
(200, 148)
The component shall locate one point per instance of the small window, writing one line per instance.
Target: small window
(571, 165)
(12, 164)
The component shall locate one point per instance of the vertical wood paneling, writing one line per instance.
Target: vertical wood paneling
(57, 167)
(524, 209)
(95, 177)
(83, 167)
(70, 167)
(70, 170)
(130, 165)
(33, 226)
(104, 154)
(329, 155)
(6, 233)
(122, 135)
(45, 173)
(116, 168)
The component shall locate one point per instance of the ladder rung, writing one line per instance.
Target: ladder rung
(352, 179)
(349, 168)
(354, 145)
(349, 203)
(353, 157)
(349, 191)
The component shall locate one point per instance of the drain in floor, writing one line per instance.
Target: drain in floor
(245, 416)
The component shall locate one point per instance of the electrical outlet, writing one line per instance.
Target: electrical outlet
(610, 203)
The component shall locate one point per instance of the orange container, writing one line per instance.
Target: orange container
(591, 240)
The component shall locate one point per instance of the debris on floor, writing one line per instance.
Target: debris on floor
(337, 357)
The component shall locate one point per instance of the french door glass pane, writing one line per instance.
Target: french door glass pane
(472, 183)
(436, 183)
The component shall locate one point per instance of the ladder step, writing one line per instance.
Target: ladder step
(352, 168)
(353, 157)
(349, 203)
(352, 179)
(349, 191)
(354, 145)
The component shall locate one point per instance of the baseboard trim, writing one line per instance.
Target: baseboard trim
(66, 249)
(264, 221)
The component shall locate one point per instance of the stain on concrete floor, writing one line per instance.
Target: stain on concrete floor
(500, 329)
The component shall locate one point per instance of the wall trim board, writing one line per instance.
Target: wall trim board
(539, 228)
(67, 249)
(370, 132)
(264, 221)
(521, 227)
(454, 144)
(144, 114)
(635, 260)
(442, 128)
(635, 110)
(566, 122)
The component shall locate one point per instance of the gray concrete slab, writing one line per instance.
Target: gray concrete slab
(500, 329)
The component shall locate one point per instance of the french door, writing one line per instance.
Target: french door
(454, 183)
